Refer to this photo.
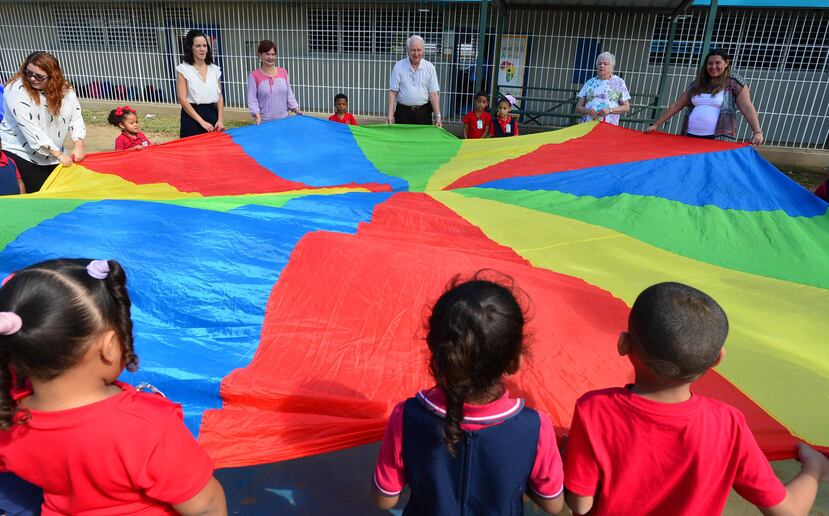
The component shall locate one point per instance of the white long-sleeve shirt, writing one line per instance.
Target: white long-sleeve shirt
(30, 130)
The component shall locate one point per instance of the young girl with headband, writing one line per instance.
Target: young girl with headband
(94, 445)
(126, 119)
(466, 446)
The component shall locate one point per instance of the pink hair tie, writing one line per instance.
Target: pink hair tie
(98, 269)
(6, 279)
(10, 323)
(510, 99)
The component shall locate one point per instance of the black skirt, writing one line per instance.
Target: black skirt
(189, 127)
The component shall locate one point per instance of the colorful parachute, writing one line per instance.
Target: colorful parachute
(280, 274)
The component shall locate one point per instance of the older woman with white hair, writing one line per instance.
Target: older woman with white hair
(605, 96)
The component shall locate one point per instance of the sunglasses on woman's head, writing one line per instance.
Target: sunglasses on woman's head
(36, 76)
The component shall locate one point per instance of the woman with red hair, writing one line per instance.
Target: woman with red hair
(41, 110)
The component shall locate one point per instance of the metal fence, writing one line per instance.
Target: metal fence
(129, 51)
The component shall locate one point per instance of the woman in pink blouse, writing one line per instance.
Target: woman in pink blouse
(270, 96)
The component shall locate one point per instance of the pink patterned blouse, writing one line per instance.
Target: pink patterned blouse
(270, 97)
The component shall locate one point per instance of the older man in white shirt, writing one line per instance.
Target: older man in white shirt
(413, 88)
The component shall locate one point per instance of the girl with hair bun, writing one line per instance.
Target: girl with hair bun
(125, 118)
(465, 445)
(94, 445)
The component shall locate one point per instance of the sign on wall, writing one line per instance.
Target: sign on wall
(512, 64)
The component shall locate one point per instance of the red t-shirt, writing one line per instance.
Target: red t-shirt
(348, 118)
(546, 477)
(477, 127)
(638, 456)
(125, 141)
(129, 453)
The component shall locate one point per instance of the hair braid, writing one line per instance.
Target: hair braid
(475, 336)
(7, 405)
(116, 284)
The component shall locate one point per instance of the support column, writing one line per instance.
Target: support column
(479, 62)
(497, 57)
(666, 63)
(709, 28)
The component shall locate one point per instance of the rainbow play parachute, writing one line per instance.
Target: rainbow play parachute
(280, 273)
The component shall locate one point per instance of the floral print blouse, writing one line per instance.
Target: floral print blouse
(604, 94)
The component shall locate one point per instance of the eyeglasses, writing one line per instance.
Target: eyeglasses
(36, 76)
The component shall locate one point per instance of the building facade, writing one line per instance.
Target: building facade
(128, 51)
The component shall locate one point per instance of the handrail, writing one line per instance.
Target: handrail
(533, 116)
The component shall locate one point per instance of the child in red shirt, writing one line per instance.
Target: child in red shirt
(93, 444)
(10, 181)
(504, 124)
(655, 447)
(476, 123)
(341, 114)
(126, 119)
(475, 337)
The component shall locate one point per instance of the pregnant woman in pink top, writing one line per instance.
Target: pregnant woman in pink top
(270, 96)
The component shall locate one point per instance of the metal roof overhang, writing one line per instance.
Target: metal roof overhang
(661, 6)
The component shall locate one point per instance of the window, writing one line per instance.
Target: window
(372, 31)
(687, 43)
(771, 39)
(358, 36)
(761, 42)
(810, 44)
(322, 30)
(105, 27)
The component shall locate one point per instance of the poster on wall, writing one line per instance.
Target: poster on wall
(512, 64)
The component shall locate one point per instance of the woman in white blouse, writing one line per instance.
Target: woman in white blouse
(41, 109)
(199, 88)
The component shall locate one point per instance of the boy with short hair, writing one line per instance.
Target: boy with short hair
(654, 447)
(341, 114)
(476, 123)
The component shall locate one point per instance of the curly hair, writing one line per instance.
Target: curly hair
(475, 336)
(117, 115)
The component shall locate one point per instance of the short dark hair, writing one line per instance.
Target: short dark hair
(482, 94)
(475, 336)
(192, 34)
(265, 46)
(677, 331)
(61, 307)
(339, 96)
